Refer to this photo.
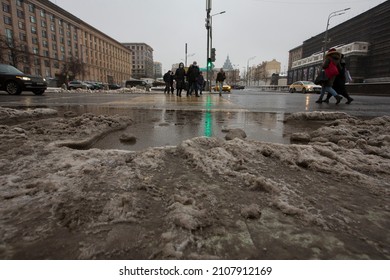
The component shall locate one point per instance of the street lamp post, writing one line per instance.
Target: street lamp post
(211, 27)
(332, 14)
(211, 37)
(247, 69)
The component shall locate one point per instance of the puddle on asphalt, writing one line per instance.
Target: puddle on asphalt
(157, 128)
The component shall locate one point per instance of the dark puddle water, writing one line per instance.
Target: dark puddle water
(157, 128)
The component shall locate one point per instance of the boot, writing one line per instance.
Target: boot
(349, 101)
(338, 98)
(319, 101)
(326, 101)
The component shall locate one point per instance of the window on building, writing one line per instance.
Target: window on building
(35, 50)
(7, 20)
(45, 43)
(33, 19)
(43, 23)
(54, 46)
(46, 54)
(52, 18)
(34, 40)
(31, 8)
(22, 37)
(52, 27)
(62, 49)
(33, 30)
(43, 13)
(47, 63)
(44, 33)
(19, 3)
(53, 37)
(6, 8)
(20, 14)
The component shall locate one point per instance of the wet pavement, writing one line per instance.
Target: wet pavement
(166, 120)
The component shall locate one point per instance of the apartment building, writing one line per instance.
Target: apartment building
(53, 36)
(142, 60)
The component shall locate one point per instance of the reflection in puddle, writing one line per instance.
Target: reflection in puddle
(156, 128)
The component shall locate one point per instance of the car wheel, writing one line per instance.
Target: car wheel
(38, 91)
(13, 87)
(303, 90)
(291, 90)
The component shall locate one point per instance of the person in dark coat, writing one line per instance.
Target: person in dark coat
(171, 81)
(180, 75)
(221, 76)
(200, 82)
(193, 74)
(339, 83)
(167, 80)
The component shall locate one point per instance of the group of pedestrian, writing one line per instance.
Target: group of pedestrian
(193, 77)
(334, 68)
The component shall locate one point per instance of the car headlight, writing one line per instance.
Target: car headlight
(23, 78)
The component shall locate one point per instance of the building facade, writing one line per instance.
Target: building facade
(262, 74)
(142, 60)
(364, 40)
(51, 37)
(157, 70)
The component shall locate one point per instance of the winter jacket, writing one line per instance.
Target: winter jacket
(221, 77)
(193, 73)
(328, 59)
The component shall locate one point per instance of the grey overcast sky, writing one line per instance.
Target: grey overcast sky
(266, 29)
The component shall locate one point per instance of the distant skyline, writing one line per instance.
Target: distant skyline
(250, 31)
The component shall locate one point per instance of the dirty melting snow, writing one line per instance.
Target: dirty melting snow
(325, 197)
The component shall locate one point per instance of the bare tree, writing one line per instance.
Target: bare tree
(14, 52)
(72, 68)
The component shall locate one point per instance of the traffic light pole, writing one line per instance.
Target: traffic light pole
(208, 10)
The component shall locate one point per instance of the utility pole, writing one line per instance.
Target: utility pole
(186, 56)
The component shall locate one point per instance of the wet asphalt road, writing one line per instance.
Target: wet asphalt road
(161, 120)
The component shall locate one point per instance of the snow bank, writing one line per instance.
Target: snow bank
(207, 198)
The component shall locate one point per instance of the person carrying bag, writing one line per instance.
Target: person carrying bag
(332, 59)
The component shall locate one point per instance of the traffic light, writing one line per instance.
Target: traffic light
(212, 54)
(209, 63)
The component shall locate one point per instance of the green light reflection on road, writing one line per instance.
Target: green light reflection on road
(208, 124)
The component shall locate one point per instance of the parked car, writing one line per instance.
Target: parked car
(94, 85)
(224, 88)
(304, 87)
(14, 81)
(238, 87)
(137, 83)
(114, 86)
(79, 84)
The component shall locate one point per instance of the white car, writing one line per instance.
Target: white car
(304, 87)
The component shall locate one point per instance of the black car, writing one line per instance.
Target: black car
(15, 81)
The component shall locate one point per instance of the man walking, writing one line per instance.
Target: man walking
(193, 74)
(220, 79)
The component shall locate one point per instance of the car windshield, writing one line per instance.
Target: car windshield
(308, 83)
(8, 69)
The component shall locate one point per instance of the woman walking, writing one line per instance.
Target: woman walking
(330, 65)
